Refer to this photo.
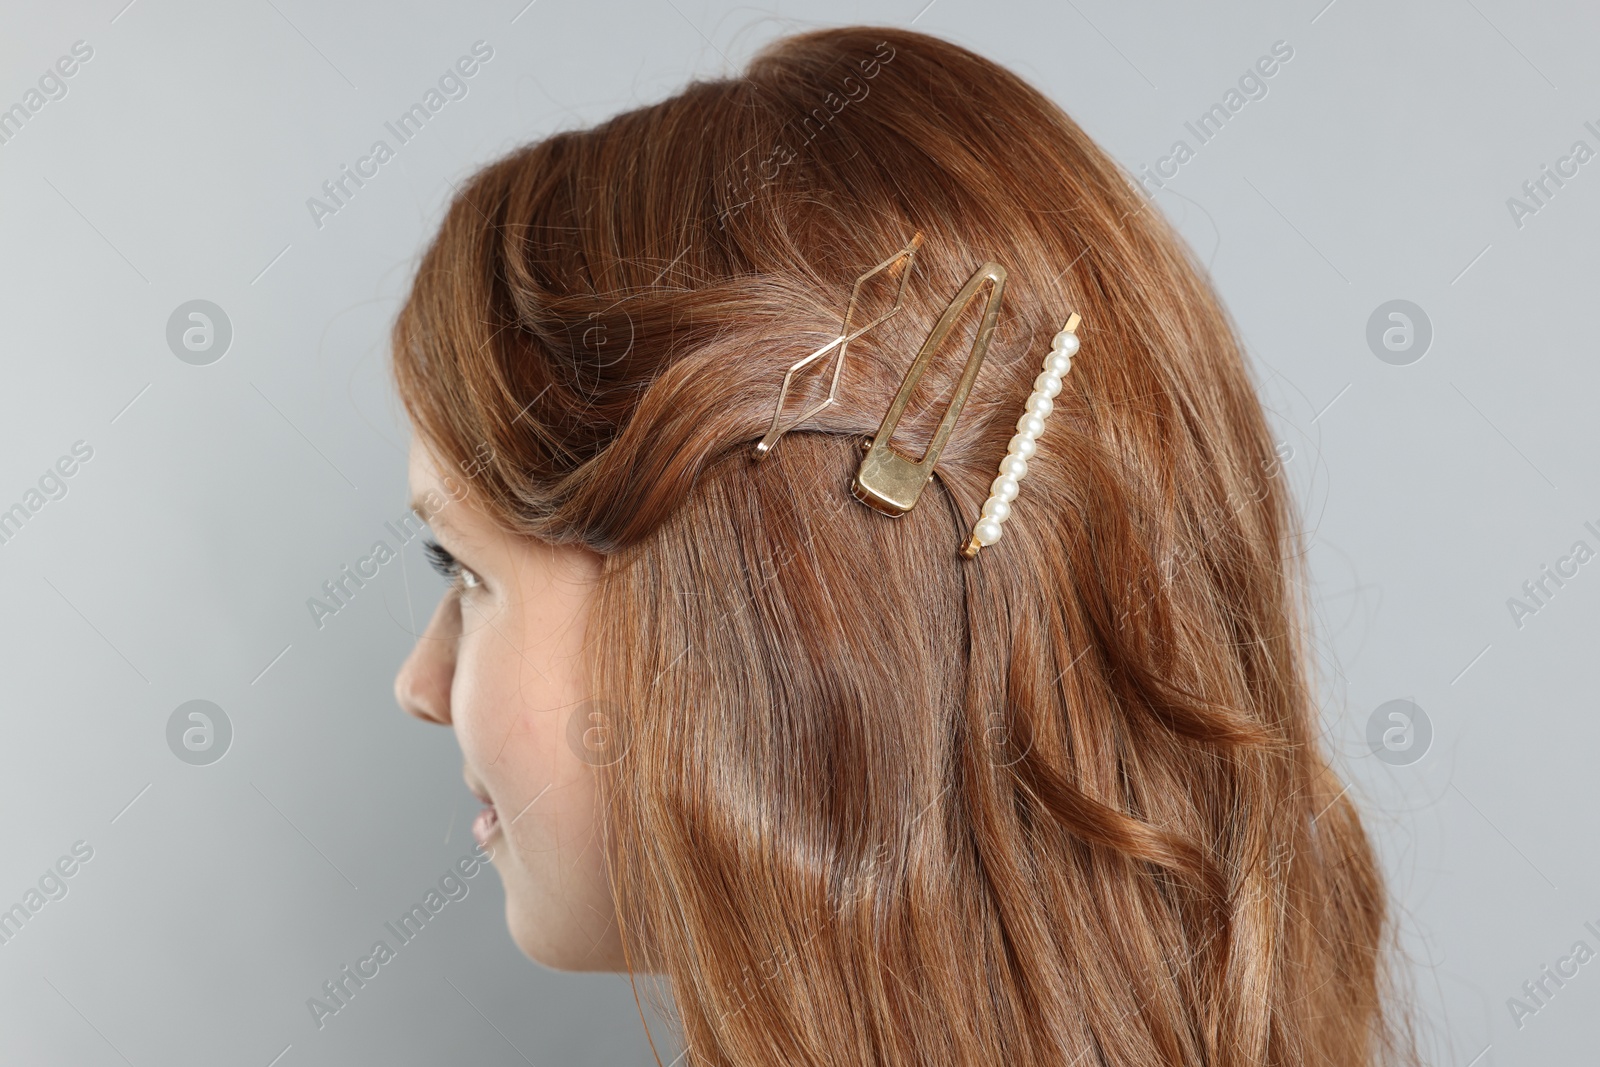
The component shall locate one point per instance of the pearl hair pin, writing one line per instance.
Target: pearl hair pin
(989, 527)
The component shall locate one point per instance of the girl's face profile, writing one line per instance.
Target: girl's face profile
(502, 662)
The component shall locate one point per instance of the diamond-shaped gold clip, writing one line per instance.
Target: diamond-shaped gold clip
(841, 342)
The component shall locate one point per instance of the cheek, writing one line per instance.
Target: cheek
(510, 706)
(513, 727)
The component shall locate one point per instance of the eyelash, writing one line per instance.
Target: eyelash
(440, 559)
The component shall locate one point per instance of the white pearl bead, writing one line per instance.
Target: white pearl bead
(1005, 487)
(1064, 342)
(1041, 405)
(1023, 445)
(996, 509)
(987, 531)
(1015, 466)
(1030, 424)
(1047, 383)
(1058, 364)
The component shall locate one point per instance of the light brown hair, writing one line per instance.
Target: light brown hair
(871, 803)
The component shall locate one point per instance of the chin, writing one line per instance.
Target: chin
(561, 944)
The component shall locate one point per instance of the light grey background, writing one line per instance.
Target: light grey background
(219, 497)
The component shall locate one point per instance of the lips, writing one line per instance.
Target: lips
(486, 824)
(488, 820)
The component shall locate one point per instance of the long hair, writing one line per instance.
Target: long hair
(868, 802)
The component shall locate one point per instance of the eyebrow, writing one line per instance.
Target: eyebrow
(435, 518)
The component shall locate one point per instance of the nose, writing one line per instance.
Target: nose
(422, 686)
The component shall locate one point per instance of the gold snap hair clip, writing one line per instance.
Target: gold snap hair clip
(988, 528)
(846, 335)
(888, 481)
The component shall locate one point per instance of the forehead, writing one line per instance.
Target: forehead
(440, 500)
(422, 467)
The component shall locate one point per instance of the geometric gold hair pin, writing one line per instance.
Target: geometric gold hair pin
(841, 342)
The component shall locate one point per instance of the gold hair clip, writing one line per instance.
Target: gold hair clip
(888, 481)
(909, 253)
